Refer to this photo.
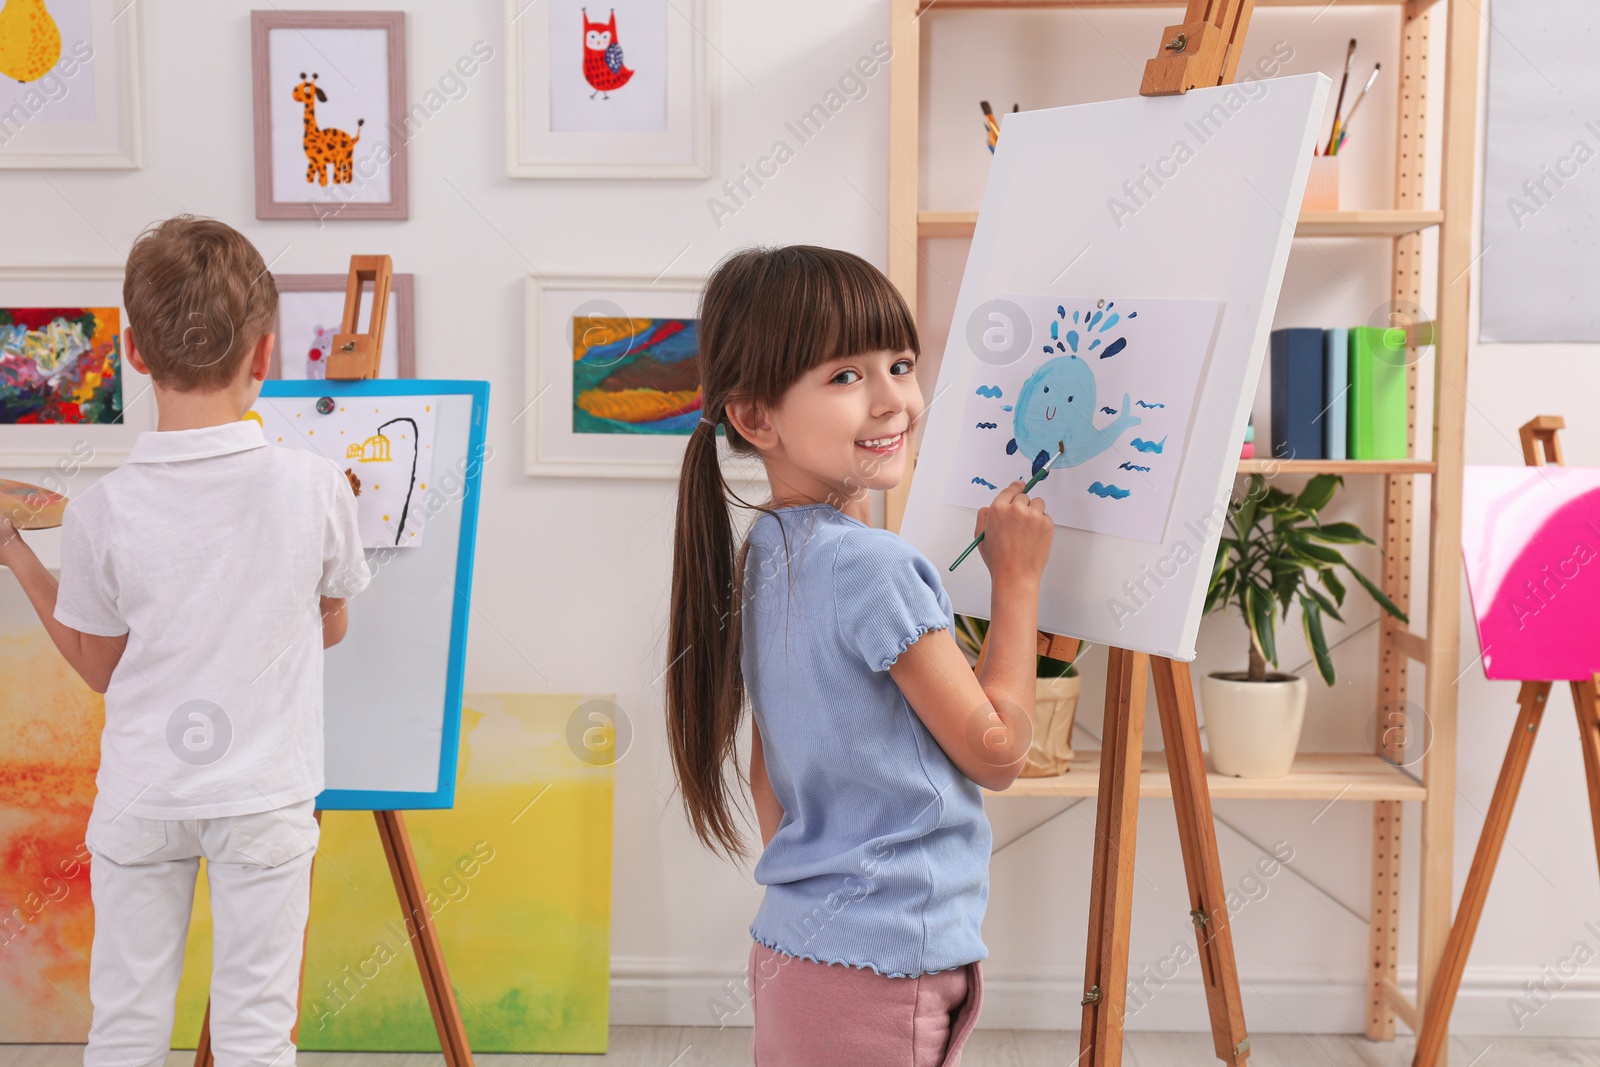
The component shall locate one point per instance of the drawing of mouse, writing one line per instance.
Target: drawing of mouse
(1055, 410)
(317, 357)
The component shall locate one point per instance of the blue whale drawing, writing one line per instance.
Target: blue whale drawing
(1056, 410)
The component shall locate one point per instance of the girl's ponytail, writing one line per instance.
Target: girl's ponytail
(705, 683)
(767, 316)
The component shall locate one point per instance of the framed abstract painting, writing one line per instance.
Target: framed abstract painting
(614, 91)
(329, 94)
(310, 307)
(67, 395)
(69, 84)
(613, 379)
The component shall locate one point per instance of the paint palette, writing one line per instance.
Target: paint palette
(30, 507)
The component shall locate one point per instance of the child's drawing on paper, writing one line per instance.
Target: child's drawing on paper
(602, 56)
(1102, 396)
(383, 444)
(599, 83)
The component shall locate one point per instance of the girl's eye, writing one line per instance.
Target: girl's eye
(842, 373)
(910, 366)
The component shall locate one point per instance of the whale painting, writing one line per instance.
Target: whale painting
(1100, 391)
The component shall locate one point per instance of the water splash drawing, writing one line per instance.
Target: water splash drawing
(1113, 462)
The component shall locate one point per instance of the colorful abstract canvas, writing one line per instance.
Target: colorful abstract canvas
(1530, 540)
(52, 723)
(60, 365)
(635, 376)
(1102, 392)
(518, 876)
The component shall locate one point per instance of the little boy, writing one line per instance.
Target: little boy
(200, 583)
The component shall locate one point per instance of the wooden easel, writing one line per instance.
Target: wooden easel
(1202, 51)
(356, 355)
(1111, 896)
(1538, 435)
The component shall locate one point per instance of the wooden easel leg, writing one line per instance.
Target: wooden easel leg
(1586, 700)
(424, 939)
(202, 1051)
(1447, 980)
(1111, 894)
(1208, 904)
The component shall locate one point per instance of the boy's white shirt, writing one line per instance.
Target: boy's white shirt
(211, 549)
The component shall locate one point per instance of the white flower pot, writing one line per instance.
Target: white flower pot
(1055, 706)
(1253, 727)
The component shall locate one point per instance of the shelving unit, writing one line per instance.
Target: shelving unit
(1381, 776)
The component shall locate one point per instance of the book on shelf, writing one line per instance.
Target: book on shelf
(1377, 393)
(1336, 390)
(1297, 393)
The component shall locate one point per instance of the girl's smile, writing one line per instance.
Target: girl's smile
(884, 446)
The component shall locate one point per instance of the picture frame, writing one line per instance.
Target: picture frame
(86, 111)
(553, 405)
(60, 446)
(338, 174)
(307, 301)
(664, 128)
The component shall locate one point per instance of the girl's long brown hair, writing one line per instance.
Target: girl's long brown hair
(767, 316)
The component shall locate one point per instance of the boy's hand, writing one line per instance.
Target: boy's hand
(1016, 535)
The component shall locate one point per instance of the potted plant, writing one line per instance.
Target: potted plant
(1055, 703)
(1278, 544)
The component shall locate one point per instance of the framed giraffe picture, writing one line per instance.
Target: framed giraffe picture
(610, 89)
(330, 114)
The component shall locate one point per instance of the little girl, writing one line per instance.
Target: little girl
(872, 733)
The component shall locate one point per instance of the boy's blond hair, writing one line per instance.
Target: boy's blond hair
(198, 297)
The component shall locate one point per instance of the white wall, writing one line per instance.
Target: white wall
(572, 580)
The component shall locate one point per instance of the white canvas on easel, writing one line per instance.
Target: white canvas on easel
(1190, 197)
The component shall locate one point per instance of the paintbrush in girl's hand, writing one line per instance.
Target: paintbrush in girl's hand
(1035, 480)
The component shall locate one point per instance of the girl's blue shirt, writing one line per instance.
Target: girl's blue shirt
(882, 857)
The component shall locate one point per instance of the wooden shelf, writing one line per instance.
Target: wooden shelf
(1310, 223)
(1335, 466)
(1378, 223)
(1316, 776)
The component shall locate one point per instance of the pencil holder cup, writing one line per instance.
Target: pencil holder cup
(1322, 187)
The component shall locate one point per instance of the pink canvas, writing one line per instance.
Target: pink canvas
(1530, 540)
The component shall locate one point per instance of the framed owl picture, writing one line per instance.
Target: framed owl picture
(331, 124)
(609, 90)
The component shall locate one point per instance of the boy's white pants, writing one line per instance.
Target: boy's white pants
(142, 881)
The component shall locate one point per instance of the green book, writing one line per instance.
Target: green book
(1377, 393)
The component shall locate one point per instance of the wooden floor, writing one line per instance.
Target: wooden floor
(672, 1046)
